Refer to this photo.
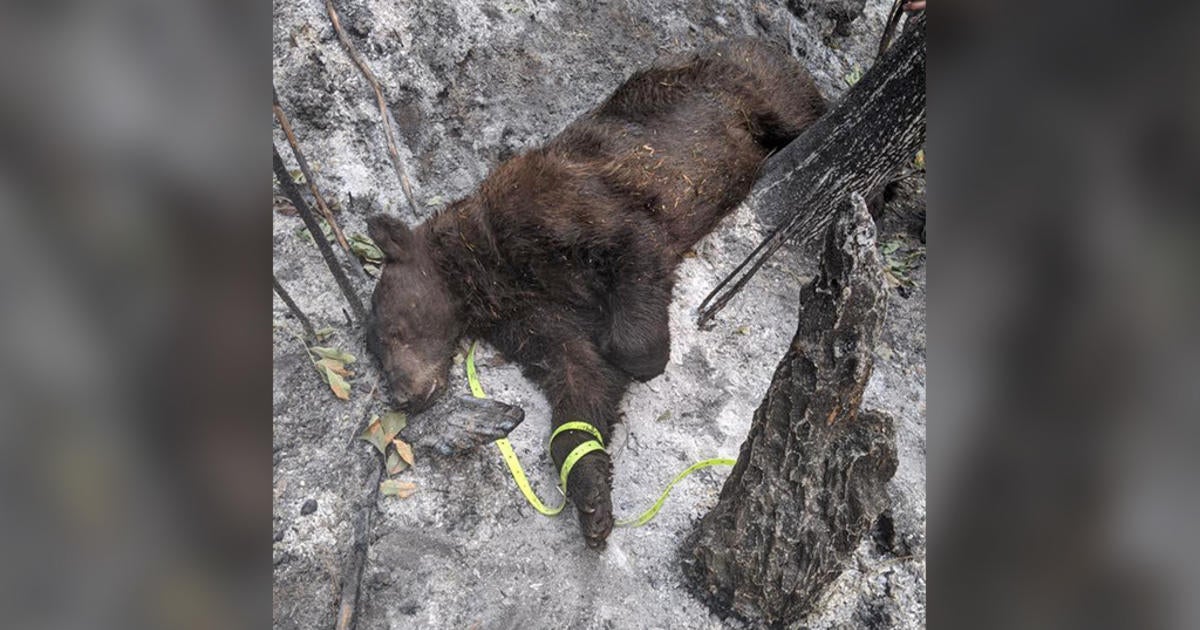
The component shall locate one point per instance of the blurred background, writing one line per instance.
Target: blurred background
(135, 314)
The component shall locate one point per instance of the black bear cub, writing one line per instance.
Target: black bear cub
(564, 257)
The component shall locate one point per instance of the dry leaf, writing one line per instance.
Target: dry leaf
(333, 353)
(393, 422)
(337, 384)
(395, 487)
(283, 206)
(336, 367)
(395, 465)
(374, 435)
(404, 450)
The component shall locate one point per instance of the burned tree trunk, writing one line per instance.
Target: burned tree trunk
(873, 131)
(811, 475)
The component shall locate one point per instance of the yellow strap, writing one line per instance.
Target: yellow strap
(578, 426)
(650, 513)
(518, 473)
(506, 449)
(573, 457)
(473, 376)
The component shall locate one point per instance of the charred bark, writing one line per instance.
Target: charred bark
(877, 128)
(811, 475)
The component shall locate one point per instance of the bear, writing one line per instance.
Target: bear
(564, 257)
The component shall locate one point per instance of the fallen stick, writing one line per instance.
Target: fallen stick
(310, 221)
(352, 575)
(312, 184)
(388, 133)
(889, 28)
(287, 299)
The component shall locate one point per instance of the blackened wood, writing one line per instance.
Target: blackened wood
(291, 304)
(286, 126)
(877, 127)
(811, 476)
(310, 221)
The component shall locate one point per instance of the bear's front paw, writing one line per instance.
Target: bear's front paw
(590, 488)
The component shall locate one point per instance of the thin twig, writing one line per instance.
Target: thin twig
(352, 576)
(310, 221)
(388, 133)
(756, 259)
(291, 304)
(312, 184)
(890, 28)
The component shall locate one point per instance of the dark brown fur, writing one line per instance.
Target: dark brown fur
(564, 258)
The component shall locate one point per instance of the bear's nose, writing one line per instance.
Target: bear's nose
(422, 400)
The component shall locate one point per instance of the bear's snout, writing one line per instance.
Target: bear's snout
(420, 395)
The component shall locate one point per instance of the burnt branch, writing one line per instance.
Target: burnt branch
(312, 184)
(309, 332)
(314, 228)
(877, 128)
(889, 29)
(353, 571)
(388, 132)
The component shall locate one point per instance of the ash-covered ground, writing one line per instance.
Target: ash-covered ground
(470, 84)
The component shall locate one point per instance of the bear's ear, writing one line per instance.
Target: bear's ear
(391, 235)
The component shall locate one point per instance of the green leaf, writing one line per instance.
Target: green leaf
(302, 233)
(854, 75)
(325, 333)
(393, 422)
(332, 353)
(365, 248)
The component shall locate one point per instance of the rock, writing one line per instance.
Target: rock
(309, 507)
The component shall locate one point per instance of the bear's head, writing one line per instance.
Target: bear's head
(415, 322)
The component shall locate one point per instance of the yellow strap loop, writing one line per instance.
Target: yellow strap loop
(518, 473)
(573, 457)
(578, 426)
